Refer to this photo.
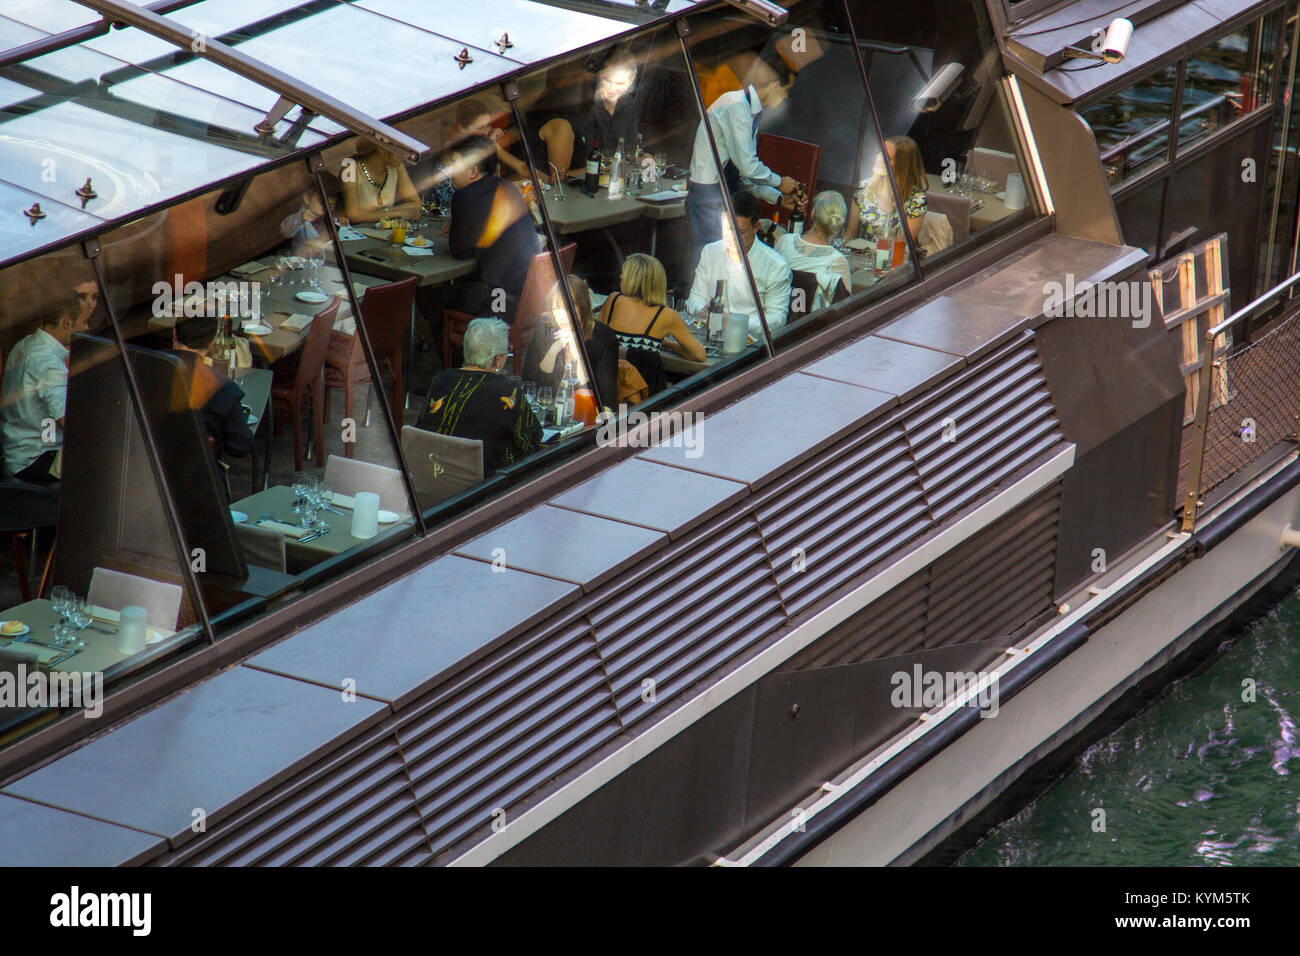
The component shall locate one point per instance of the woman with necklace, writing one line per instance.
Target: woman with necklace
(377, 186)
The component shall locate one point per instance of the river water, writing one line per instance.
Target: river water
(1200, 778)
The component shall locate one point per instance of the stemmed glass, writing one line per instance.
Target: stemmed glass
(79, 615)
(530, 393)
(61, 597)
(322, 495)
(310, 501)
(661, 164)
(545, 398)
(300, 486)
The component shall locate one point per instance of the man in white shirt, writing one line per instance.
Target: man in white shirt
(733, 118)
(721, 260)
(35, 390)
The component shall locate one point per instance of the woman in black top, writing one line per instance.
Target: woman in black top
(477, 401)
(552, 346)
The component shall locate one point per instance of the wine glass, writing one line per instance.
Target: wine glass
(545, 398)
(61, 597)
(661, 164)
(310, 500)
(530, 394)
(324, 495)
(300, 486)
(79, 615)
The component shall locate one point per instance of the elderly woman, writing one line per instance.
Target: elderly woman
(873, 215)
(477, 401)
(812, 252)
(552, 347)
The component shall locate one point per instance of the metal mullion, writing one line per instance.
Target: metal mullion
(912, 248)
(683, 30)
(91, 250)
(316, 168)
(511, 93)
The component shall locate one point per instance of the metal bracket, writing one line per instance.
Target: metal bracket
(90, 248)
(279, 111)
(682, 27)
(510, 91)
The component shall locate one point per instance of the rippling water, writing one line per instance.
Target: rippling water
(1201, 778)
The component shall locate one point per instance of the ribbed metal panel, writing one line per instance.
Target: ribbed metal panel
(354, 807)
(980, 429)
(986, 588)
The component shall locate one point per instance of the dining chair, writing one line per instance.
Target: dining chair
(348, 476)
(386, 315)
(992, 164)
(956, 208)
(793, 158)
(305, 385)
(261, 546)
(116, 590)
(534, 302)
(441, 465)
(25, 507)
(803, 290)
(935, 234)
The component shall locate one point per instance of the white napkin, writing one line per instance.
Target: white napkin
(342, 500)
(416, 251)
(285, 529)
(105, 614)
(297, 322)
(33, 652)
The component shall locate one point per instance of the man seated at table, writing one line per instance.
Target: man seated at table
(34, 392)
(217, 399)
(477, 401)
(490, 223)
(614, 114)
(722, 260)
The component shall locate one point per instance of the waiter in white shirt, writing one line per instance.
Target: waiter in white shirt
(733, 117)
(722, 260)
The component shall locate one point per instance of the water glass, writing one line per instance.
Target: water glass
(324, 495)
(79, 615)
(61, 597)
(310, 501)
(530, 393)
(300, 486)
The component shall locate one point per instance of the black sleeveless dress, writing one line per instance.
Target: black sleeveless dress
(643, 349)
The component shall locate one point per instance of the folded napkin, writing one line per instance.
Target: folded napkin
(297, 322)
(346, 325)
(105, 614)
(249, 268)
(342, 500)
(33, 653)
(285, 529)
(416, 251)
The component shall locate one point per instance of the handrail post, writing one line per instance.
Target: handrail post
(1196, 466)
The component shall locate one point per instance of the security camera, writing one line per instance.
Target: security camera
(938, 88)
(1115, 45)
(769, 13)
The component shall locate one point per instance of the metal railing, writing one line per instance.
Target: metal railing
(1248, 400)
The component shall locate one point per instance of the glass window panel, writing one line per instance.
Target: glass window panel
(255, 260)
(51, 16)
(80, 496)
(14, 34)
(1226, 79)
(18, 234)
(1132, 127)
(960, 129)
(1139, 216)
(837, 232)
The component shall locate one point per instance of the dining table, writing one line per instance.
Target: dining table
(578, 212)
(370, 249)
(992, 209)
(276, 504)
(100, 653)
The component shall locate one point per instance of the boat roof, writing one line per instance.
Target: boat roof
(149, 120)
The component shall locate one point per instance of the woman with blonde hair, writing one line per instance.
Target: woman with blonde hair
(812, 252)
(639, 315)
(873, 215)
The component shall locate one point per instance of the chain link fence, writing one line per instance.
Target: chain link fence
(1255, 403)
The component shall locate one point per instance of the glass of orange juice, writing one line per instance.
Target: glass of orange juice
(399, 231)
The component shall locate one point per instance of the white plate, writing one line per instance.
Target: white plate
(419, 243)
(238, 517)
(388, 517)
(25, 630)
(152, 636)
(308, 295)
(258, 329)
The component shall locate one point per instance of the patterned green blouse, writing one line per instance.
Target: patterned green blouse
(875, 223)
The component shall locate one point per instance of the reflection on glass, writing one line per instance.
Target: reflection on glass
(720, 275)
(78, 495)
(1132, 127)
(1227, 79)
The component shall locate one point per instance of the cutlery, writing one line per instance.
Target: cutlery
(27, 639)
(334, 510)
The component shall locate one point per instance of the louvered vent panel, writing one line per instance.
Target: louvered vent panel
(1002, 418)
(987, 587)
(840, 513)
(522, 716)
(714, 600)
(1000, 580)
(355, 807)
(892, 624)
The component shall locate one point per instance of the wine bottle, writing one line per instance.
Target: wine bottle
(591, 179)
(796, 221)
(617, 172)
(717, 311)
